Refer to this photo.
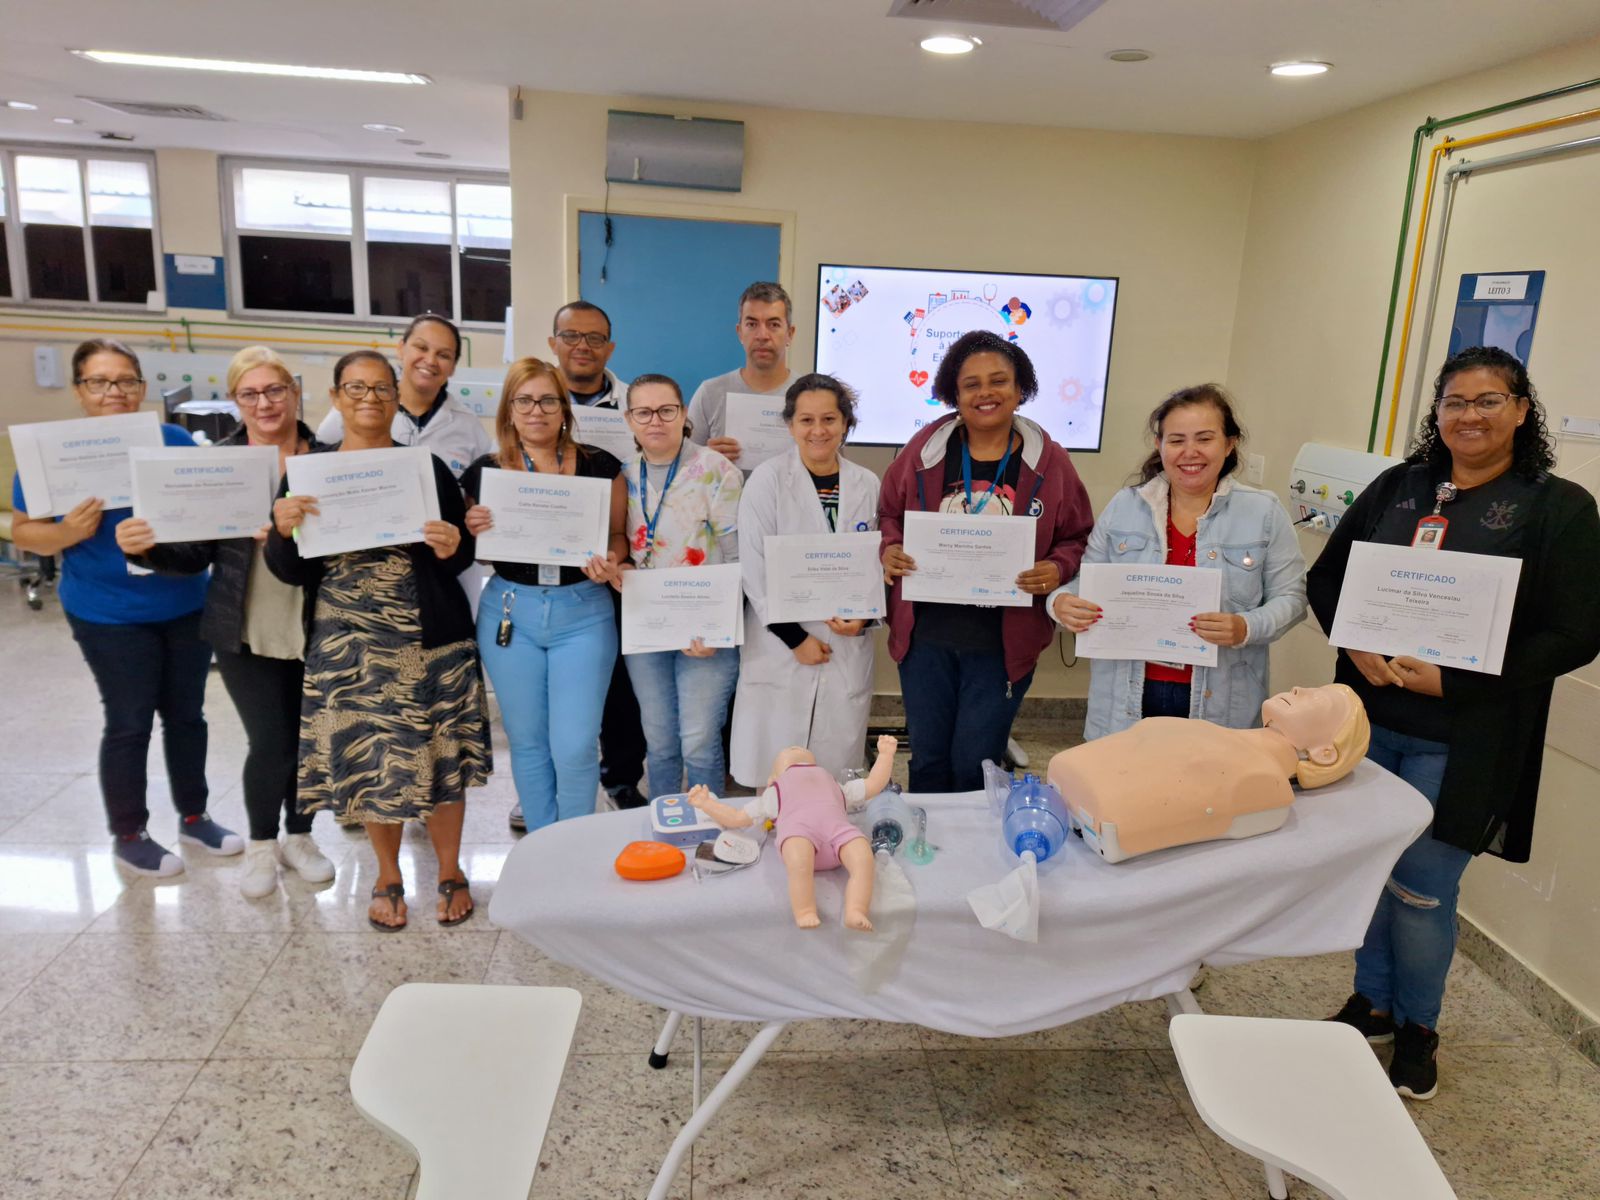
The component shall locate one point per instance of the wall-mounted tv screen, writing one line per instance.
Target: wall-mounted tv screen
(884, 330)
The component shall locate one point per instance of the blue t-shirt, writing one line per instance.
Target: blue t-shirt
(95, 584)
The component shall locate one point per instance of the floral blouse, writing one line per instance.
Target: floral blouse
(699, 519)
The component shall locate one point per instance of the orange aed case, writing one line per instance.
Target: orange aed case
(650, 860)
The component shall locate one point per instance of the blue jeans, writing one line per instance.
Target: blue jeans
(958, 713)
(551, 682)
(1163, 698)
(1402, 964)
(683, 703)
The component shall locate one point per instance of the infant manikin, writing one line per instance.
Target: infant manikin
(808, 809)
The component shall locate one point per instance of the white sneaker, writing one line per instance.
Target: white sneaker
(260, 874)
(302, 854)
(1017, 753)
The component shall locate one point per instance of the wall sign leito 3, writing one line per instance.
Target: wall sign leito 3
(884, 331)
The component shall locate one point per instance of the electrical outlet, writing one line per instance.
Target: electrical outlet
(1255, 468)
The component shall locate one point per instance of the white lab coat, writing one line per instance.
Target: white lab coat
(779, 702)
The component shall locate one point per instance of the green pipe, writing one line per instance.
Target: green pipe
(1427, 129)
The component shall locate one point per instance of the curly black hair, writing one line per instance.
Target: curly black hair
(1532, 454)
(981, 341)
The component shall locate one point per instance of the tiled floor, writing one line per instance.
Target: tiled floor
(176, 1041)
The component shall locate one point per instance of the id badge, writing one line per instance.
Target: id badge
(549, 576)
(1430, 533)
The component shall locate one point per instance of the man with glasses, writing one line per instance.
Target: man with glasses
(765, 330)
(580, 339)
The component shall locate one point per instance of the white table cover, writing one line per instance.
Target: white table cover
(1108, 933)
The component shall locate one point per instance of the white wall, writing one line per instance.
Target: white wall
(1166, 214)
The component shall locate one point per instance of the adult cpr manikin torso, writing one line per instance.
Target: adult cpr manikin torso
(780, 702)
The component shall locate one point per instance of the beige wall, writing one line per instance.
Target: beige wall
(188, 195)
(1166, 214)
(1322, 230)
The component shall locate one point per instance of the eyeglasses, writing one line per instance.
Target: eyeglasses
(1488, 404)
(571, 337)
(526, 404)
(356, 390)
(275, 394)
(99, 385)
(666, 414)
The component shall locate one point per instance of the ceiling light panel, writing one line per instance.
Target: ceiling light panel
(231, 67)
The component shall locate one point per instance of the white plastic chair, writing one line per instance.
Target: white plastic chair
(466, 1075)
(1307, 1097)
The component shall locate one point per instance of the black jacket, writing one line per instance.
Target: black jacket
(222, 622)
(446, 617)
(1497, 722)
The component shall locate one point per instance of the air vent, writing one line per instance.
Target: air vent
(1017, 14)
(155, 108)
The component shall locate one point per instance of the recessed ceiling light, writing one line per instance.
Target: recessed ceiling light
(1128, 55)
(377, 128)
(949, 43)
(431, 154)
(348, 74)
(1297, 68)
(22, 104)
(66, 120)
(410, 141)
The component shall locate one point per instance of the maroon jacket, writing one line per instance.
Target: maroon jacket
(915, 482)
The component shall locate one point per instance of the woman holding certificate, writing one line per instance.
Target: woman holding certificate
(1188, 510)
(683, 511)
(803, 683)
(140, 635)
(546, 632)
(394, 726)
(966, 665)
(256, 624)
(1477, 481)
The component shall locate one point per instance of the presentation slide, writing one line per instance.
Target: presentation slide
(884, 330)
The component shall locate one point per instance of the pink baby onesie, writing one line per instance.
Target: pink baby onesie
(811, 806)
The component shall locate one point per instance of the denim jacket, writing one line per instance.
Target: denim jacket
(1246, 533)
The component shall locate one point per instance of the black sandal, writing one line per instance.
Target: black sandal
(447, 889)
(393, 893)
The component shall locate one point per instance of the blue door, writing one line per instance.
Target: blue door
(672, 290)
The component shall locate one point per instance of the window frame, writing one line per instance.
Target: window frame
(361, 292)
(16, 248)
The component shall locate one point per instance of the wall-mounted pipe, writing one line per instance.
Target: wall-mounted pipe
(1427, 129)
(1449, 146)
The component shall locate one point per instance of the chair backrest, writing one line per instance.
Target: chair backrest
(466, 1075)
(1310, 1098)
(8, 472)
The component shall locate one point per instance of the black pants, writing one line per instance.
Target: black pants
(621, 736)
(266, 691)
(142, 670)
(959, 708)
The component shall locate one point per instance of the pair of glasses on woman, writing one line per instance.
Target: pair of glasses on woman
(99, 385)
(276, 394)
(356, 390)
(545, 404)
(1488, 404)
(666, 414)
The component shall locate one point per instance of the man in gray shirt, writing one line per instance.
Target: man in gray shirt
(766, 330)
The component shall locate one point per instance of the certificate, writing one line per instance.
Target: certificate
(557, 520)
(963, 559)
(1147, 610)
(811, 577)
(366, 498)
(666, 608)
(64, 463)
(606, 428)
(206, 493)
(756, 423)
(1440, 606)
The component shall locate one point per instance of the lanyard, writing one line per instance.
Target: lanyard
(966, 475)
(528, 462)
(661, 501)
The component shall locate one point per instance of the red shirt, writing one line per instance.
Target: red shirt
(1180, 553)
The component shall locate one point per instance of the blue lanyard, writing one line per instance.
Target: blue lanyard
(528, 462)
(661, 502)
(966, 475)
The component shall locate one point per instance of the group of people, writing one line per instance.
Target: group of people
(357, 675)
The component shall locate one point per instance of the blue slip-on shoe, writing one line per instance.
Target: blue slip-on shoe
(140, 853)
(202, 831)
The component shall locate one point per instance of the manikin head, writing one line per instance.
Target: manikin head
(791, 756)
(1327, 724)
